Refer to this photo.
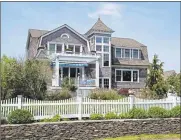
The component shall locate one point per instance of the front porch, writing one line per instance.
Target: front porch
(73, 67)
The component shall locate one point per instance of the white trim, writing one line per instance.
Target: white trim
(69, 29)
(102, 81)
(131, 75)
(65, 34)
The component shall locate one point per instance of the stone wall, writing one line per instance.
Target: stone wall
(89, 130)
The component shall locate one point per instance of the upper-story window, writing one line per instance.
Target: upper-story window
(106, 48)
(98, 39)
(55, 48)
(127, 53)
(99, 48)
(106, 40)
(64, 36)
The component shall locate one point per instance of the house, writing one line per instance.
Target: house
(95, 59)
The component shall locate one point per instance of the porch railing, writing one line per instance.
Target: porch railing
(86, 82)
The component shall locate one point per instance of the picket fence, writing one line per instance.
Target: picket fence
(79, 107)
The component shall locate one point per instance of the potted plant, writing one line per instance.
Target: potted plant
(68, 50)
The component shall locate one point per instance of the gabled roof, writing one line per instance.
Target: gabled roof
(99, 26)
(125, 42)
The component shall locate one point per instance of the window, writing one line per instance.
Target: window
(59, 48)
(100, 83)
(106, 83)
(118, 52)
(98, 39)
(77, 49)
(123, 75)
(135, 76)
(98, 48)
(126, 75)
(64, 36)
(106, 59)
(51, 48)
(127, 53)
(118, 75)
(71, 47)
(135, 53)
(106, 48)
(106, 40)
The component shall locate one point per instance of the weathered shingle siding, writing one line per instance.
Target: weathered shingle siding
(56, 37)
(32, 49)
(140, 84)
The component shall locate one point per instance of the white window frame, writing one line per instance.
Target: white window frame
(102, 50)
(131, 52)
(102, 79)
(64, 34)
(55, 46)
(131, 75)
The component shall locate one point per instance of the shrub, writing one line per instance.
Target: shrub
(96, 117)
(55, 118)
(158, 112)
(105, 94)
(124, 116)
(137, 113)
(4, 121)
(59, 95)
(20, 116)
(111, 115)
(68, 83)
(175, 112)
(65, 119)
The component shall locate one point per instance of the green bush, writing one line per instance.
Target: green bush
(137, 113)
(175, 112)
(65, 119)
(59, 95)
(20, 116)
(55, 118)
(69, 84)
(105, 94)
(158, 112)
(96, 117)
(111, 115)
(124, 116)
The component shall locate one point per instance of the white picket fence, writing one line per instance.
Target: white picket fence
(79, 107)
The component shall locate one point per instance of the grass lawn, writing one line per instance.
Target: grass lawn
(148, 137)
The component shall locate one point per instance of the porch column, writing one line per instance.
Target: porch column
(83, 73)
(97, 73)
(57, 71)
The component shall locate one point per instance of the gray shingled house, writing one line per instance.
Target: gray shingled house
(95, 59)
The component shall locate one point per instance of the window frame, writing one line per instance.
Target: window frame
(64, 34)
(130, 52)
(131, 75)
(102, 82)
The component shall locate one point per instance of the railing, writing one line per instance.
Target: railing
(82, 82)
(82, 107)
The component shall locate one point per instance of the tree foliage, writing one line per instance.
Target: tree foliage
(27, 78)
(155, 80)
(174, 83)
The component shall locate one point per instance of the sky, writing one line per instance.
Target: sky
(154, 24)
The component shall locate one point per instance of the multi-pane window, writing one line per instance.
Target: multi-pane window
(135, 53)
(98, 39)
(106, 83)
(127, 53)
(51, 48)
(77, 49)
(118, 75)
(118, 52)
(98, 48)
(122, 75)
(106, 59)
(106, 48)
(71, 47)
(106, 40)
(59, 48)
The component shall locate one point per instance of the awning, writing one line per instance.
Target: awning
(70, 64)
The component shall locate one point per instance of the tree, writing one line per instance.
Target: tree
(27, 78)
(155, 80)
(174, 83)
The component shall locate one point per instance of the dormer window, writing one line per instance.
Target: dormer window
(128, 53)
(64, 36)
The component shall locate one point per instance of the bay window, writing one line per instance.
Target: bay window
(106, 40)
(98, 48)
(106, 48)
(98, 39)
(126, 75)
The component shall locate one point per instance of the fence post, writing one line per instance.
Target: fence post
(131, 97)
(19, 101)
(174, 100)
(79, 100)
